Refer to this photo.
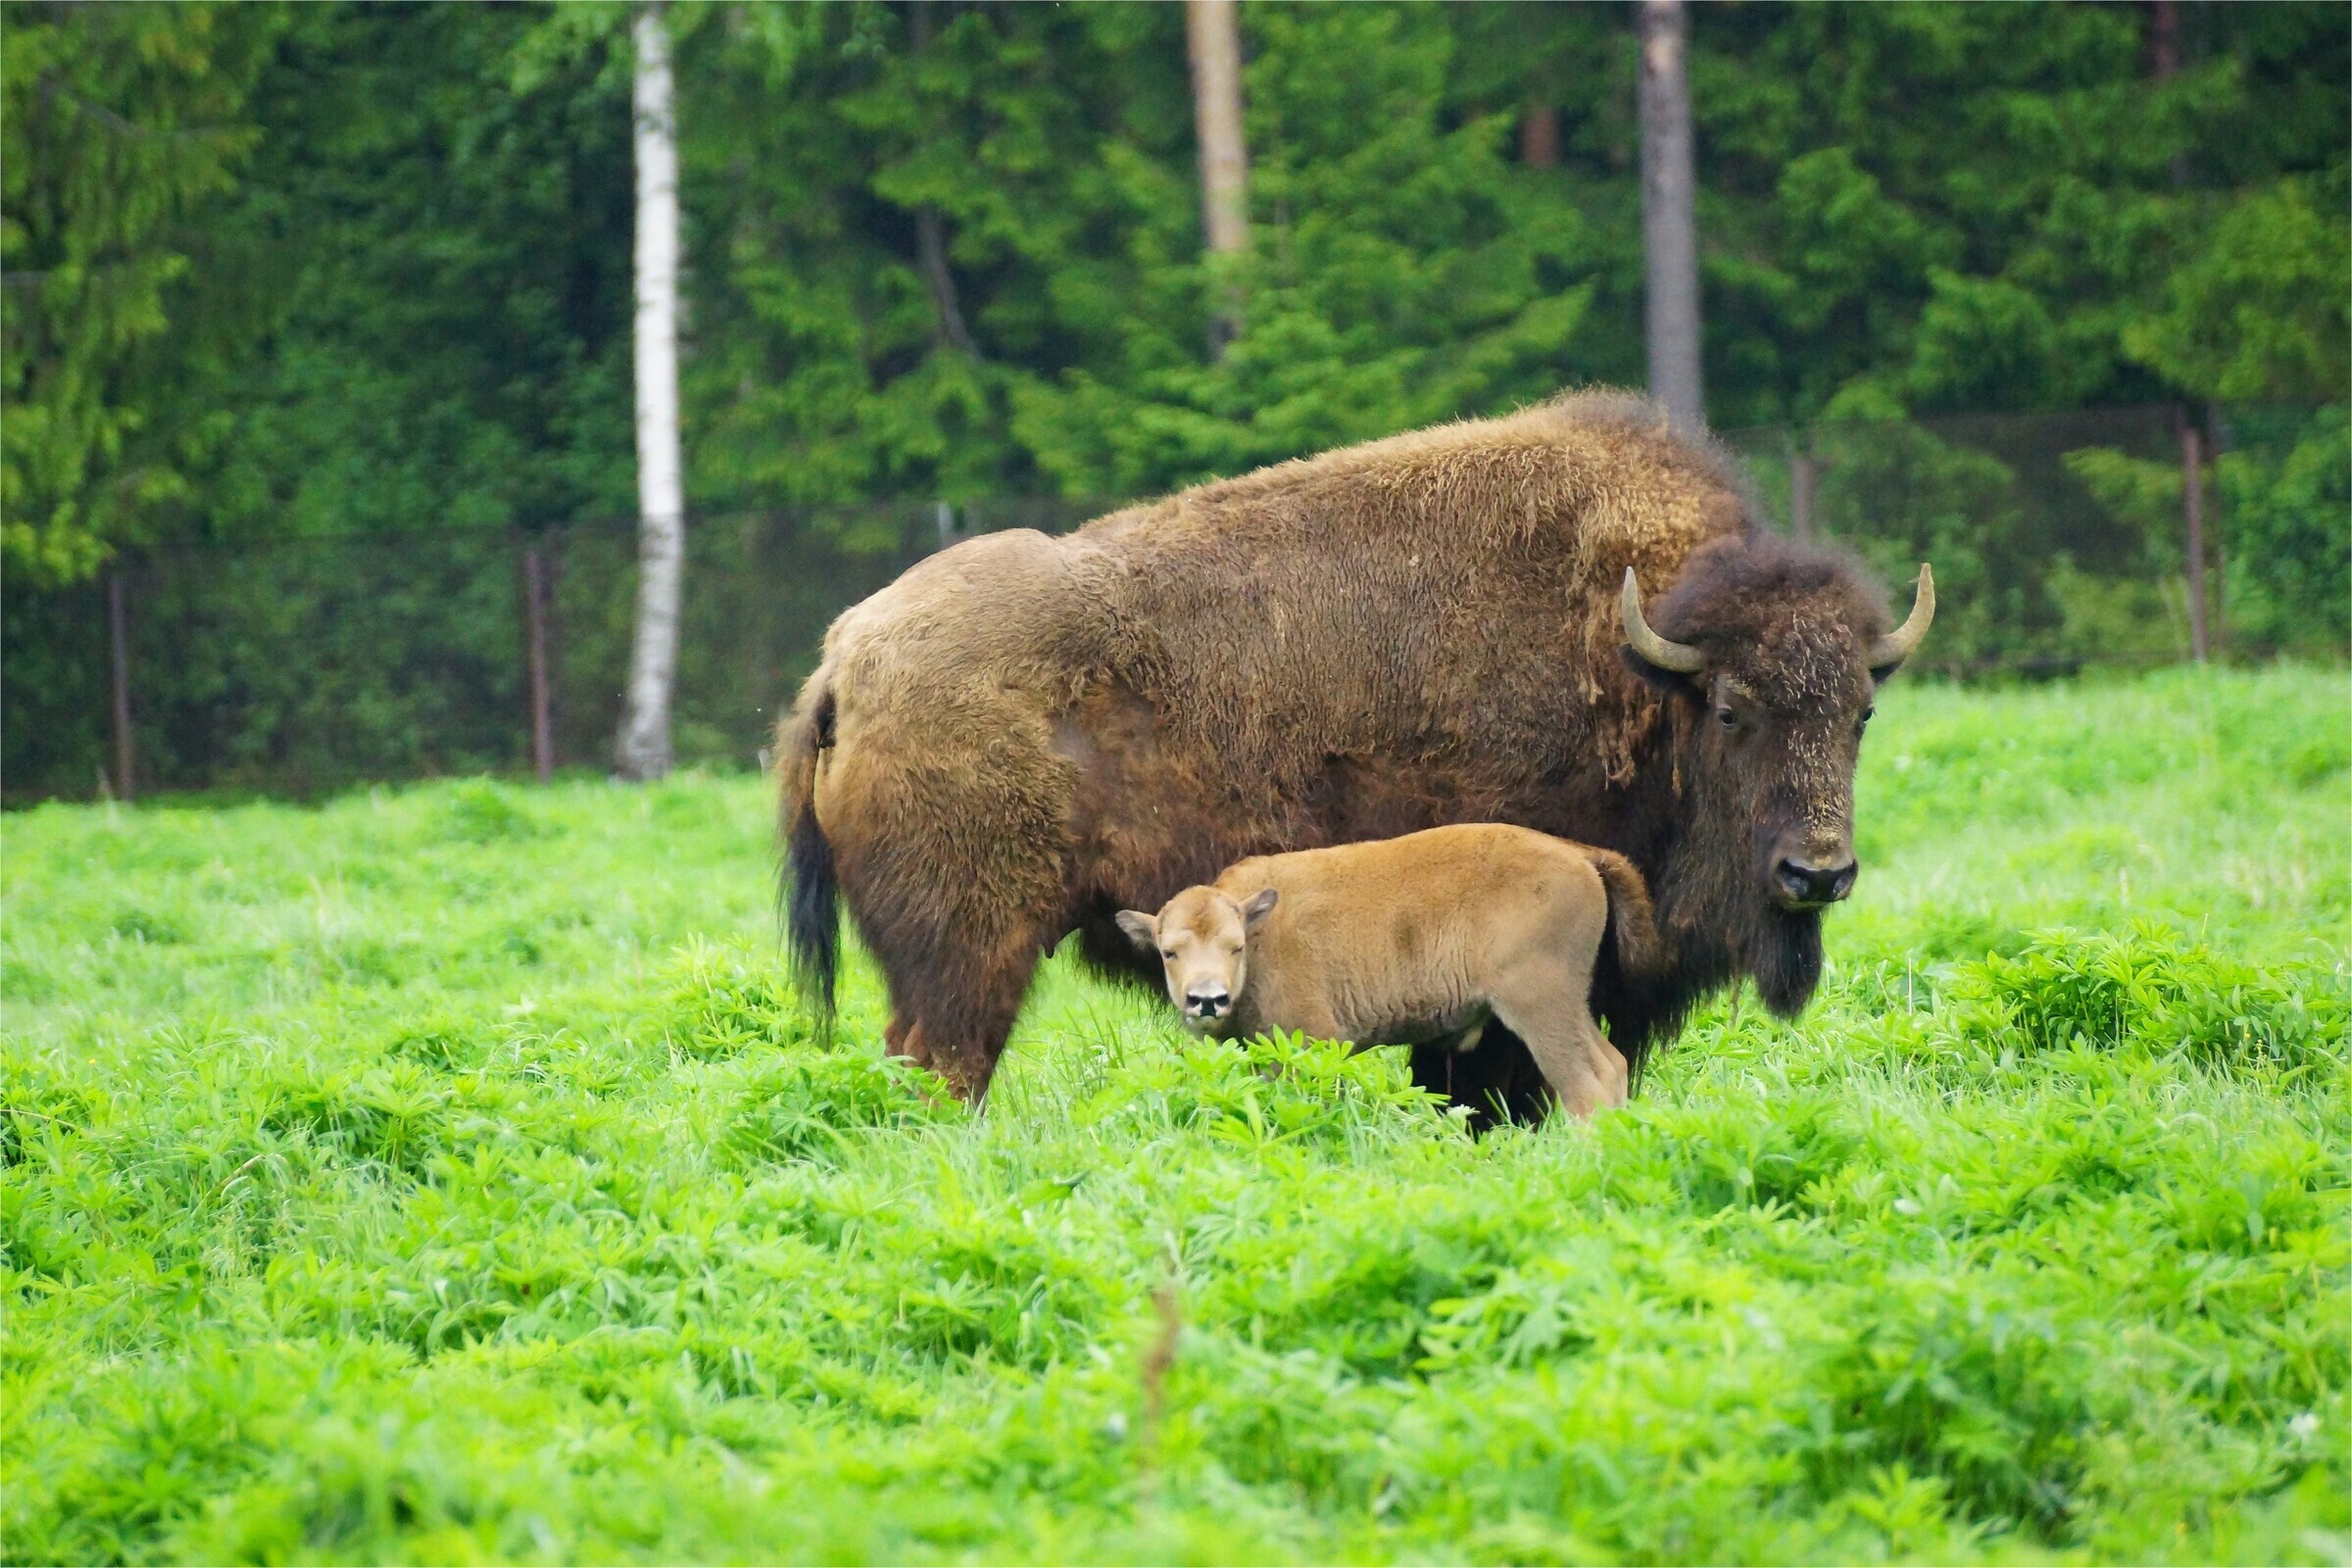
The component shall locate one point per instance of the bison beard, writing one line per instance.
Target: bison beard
(1716, 928)
(1024, 735)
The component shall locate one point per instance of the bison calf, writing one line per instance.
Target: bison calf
(1414, 940)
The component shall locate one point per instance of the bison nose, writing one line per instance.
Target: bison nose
(1808, 884)
(1209, 1001)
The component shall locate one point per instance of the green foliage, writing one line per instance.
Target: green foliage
(1405, 272)
(2285, 493)
(2260, 315)
(803, 1111)
(411, 309)
(454, 185)
(120, 129)
(2150, 988)
(2276, 501)
(450, 1173)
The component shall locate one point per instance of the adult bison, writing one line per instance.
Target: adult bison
(1024, 735)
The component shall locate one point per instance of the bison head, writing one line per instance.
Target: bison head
(1772, 653)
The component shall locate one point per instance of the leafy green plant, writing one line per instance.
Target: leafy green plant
(2027, 1240)
(2151, 990)
(804, 1107)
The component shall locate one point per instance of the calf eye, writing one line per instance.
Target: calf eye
(1168, 954)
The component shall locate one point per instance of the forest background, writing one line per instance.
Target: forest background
(336, 271)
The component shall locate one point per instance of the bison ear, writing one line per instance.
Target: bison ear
(1261, 904)
(1671, 682)
(1141, 929)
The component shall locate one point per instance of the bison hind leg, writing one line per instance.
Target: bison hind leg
(953, 1005)
(1497, 1078)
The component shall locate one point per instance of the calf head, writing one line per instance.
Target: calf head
(1203, 939)
(1770, 652)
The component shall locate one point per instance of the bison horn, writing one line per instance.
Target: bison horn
(1681, 658)
(1896, 645)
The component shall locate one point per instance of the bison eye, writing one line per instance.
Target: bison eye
(1866, 713)
(1728, 718)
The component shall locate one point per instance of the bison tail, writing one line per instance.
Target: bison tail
(1632, 920)
(812, 888)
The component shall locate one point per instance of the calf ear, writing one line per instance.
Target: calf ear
(1141, 929)
(1261, 904)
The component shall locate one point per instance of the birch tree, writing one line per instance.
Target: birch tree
(1213, 38)
(1669, 227)
(642, 751)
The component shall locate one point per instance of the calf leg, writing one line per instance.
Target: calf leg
(1583, 1070)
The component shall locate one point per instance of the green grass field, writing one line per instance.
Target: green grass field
(445, 1173)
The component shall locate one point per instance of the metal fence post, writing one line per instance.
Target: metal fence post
(119, 645)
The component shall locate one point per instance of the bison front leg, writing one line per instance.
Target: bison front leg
(1495, 1075)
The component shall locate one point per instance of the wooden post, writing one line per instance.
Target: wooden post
(534, 610)
(2220, 432)
(2221, 585)
(119, 640)
(2192, 494)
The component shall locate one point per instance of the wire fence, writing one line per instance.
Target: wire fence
(298, 666)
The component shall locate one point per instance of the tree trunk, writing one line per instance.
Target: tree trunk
(930, 234)
(2164, 63)
(1212, 32)
(1669, 228)
(1540, 136)
(642, 751)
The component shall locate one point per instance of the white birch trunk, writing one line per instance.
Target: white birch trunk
(1669, 225)
(642, 751)
(1214, 37)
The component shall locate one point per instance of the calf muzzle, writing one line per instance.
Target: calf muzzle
(1208, 1004)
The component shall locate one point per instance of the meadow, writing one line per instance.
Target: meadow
(448, 1173)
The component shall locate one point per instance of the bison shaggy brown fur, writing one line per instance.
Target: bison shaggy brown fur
(1024, 735)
